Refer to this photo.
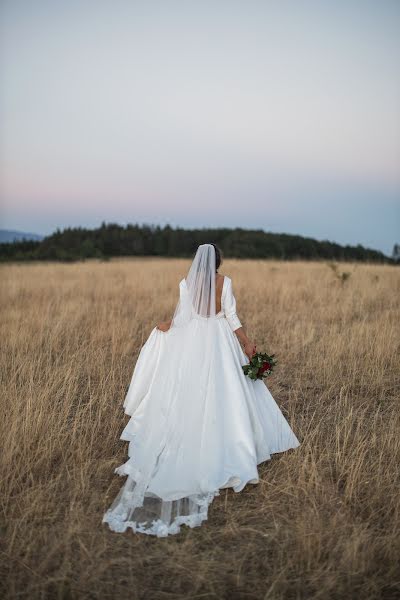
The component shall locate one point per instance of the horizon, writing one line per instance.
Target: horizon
(281, 118)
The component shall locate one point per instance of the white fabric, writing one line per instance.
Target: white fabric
(197, 425)
(197, 294)
(229, 304)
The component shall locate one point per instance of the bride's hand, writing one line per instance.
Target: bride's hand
(164, 326)
(249, 349)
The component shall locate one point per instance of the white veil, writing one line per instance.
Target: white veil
(197, 291)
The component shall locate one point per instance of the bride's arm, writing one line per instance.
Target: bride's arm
(248, 346)
(230, 312)
(165, 325)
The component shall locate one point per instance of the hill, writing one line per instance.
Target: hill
(9, 236)
(112, 240)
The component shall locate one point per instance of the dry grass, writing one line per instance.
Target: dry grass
(324, 520)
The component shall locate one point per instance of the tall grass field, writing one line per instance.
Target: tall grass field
(323, 523)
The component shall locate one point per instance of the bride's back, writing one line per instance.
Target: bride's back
(219, 283)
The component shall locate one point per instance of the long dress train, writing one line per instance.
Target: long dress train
(197, 425)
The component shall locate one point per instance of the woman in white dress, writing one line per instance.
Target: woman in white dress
(198, 424)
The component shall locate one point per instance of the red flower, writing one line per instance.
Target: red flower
(266, 366)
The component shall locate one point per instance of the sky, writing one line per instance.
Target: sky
(276, 115)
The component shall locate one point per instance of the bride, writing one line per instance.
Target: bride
(198, 424)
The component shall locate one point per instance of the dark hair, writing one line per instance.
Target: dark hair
(218, 256)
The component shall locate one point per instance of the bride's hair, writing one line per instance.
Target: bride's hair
(218, 256)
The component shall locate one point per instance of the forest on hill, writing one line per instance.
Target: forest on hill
(113, 240)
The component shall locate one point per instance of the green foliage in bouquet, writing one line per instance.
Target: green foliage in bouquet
(261, 365)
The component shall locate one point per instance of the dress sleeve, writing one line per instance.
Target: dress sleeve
(183, 309)
(230, 307)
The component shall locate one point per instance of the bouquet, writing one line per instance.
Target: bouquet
(261, 365)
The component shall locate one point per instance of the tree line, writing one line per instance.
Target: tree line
(112, 240)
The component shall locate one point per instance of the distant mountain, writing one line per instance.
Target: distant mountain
(7, 236)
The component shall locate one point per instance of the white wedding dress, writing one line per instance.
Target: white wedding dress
(197, 425)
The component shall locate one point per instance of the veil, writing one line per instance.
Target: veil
(197, 291)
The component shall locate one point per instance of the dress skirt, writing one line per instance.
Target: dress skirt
(197, 425)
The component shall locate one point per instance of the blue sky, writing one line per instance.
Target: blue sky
(276, 115)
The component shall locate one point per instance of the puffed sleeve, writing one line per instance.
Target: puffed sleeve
(230, 307)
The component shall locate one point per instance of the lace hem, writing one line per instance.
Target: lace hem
(135, 507)
(158, 527)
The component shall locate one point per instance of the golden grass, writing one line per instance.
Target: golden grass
(324, 520)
